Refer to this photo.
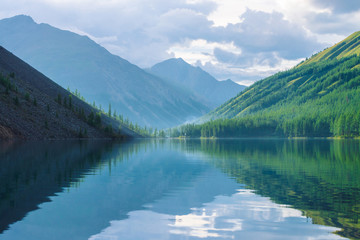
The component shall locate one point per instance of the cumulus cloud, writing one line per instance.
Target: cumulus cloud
(260, 40)
(329, 23)
(270, 32)
(262, 44)
(181, 24)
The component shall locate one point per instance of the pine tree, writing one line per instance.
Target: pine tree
(109, 112)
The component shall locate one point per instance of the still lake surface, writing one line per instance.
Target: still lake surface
(180, 189)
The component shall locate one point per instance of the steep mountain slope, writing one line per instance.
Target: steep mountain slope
(319, 97)
(77, 62)
(201, 83)
(34, 107)
(345, 48)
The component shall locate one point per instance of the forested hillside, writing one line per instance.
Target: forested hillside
(318, 98)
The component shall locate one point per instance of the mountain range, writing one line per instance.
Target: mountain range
(320, 97)
(79, 63)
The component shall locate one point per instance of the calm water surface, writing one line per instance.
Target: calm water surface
(177, 189)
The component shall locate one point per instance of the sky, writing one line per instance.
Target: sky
(244, 40)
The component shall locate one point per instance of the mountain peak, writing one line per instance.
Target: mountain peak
(174, 64)
(231, 82)
(176, 60)
(21, 18)
(196, 80)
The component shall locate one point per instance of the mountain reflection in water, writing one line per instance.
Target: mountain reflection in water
(177, 189)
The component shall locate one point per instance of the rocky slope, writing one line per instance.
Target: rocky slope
(34, 107)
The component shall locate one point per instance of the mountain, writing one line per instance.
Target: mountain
(318, 98)
(79, 63)
(199, 82)
(345, 48)
(34, 107)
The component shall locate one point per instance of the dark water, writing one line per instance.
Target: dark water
(177, 189)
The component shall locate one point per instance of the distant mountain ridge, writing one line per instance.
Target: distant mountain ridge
(201, 83)
(34, 107)
(77, 62)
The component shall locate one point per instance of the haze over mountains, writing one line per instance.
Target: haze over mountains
(79, 63)
(201, 83)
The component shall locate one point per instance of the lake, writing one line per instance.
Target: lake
(180, 189)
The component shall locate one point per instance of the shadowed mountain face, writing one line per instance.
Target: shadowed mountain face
(201, 83)
(77, 62)
(34, 107)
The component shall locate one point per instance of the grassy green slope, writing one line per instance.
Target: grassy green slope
(326, 82)
(319, 97)
(345, 48)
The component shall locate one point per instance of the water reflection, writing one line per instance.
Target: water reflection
(319, 177)
(31, 172)
(243, 215)
(180, 189)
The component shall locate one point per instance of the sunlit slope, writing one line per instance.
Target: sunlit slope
(345, 48)
(327, 86)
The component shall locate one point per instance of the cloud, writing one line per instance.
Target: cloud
(246, 59)
(244, 76)
(260, 39)
(270, 32)
(177, 25)
(328, 23)
(339, 6)
(260, 45)
(333, 18)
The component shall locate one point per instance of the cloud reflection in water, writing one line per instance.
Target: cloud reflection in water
(243, 215)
